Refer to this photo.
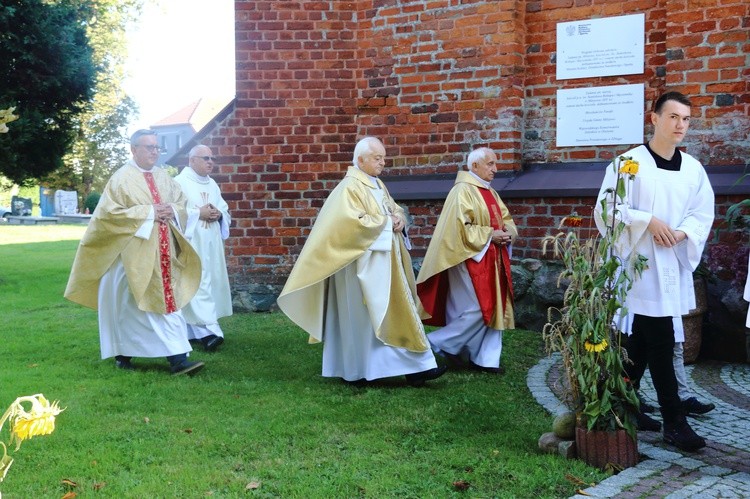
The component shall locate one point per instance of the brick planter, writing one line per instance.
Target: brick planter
(603, 448)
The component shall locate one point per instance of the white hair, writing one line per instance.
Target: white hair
(476, 155)
(193, 152)
(364, 146)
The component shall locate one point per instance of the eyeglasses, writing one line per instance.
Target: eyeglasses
(151, 148)
(206, 158)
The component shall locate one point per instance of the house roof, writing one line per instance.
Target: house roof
(179, 158)
(196, 114)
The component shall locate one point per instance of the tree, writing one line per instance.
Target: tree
(48, 74)
(100, 144)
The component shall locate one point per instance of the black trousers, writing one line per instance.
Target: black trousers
(652, 345)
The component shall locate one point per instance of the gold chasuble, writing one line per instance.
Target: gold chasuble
(347, 225)
(463, 230)
(163, 271)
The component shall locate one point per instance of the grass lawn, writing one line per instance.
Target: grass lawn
(258, 421)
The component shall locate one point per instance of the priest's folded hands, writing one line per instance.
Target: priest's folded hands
(163, 212)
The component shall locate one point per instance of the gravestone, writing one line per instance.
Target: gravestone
(20, 207)
(66, 202)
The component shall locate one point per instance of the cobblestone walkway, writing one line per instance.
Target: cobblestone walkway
(721, 469)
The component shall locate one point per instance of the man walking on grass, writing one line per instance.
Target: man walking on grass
(214, 298)
(135, 267)
(353, 285)
(465, 283)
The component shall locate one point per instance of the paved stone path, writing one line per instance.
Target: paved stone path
(721, 469)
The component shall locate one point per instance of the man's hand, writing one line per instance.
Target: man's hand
(663, 234)
(398, 224)
(501, 237)
(209, 213)
(163, 213)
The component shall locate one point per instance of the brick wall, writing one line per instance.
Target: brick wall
(434, 79)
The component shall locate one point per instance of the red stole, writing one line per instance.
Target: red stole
(496, 262)
(165, 258)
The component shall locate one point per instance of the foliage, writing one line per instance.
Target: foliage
(100, 143)
(728, 254)
(171, 170)
(584, 330)
(48, 75)
(6, 116)
(259, 420)
(91, 201)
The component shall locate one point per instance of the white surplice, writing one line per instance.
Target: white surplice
(213, 299)
(684, 200)
(357, 298)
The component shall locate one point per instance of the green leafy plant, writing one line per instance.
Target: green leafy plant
(737, 216)
(91, 201)
(584, 329)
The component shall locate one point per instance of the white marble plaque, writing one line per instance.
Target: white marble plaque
(601, 47)
(599, 116)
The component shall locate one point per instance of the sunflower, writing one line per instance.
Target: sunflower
(595, 347)
(629, 166)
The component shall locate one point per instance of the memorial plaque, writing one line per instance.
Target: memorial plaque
(601, 47)
(599, 116)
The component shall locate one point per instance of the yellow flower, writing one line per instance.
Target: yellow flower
(27, 426)
(595, 347)
(629, 166)
(39, 419)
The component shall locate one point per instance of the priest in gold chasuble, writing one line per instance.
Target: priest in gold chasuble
(465, 282)
(352, 286)
(135, 267)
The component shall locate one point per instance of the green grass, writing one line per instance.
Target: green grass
(259, 412)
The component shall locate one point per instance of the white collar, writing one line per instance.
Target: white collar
(483, 181)
(132, 162)
(374, 180)
(193, 175)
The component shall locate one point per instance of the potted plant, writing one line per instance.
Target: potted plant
(585, 334)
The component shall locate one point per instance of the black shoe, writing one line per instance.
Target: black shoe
(645, 406)
(647, 423)
(453, 361)
(359, 383)
(211, 343)
(122, 362)
(491, 370)
(693, 407)
(419, 379)
(682, 436)
(186, 367)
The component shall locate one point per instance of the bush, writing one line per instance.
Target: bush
(91, 201)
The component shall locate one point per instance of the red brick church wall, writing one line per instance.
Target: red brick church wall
(433, 79)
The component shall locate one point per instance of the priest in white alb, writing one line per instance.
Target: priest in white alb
(207, 230)
(352, 286)
(135, 267)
